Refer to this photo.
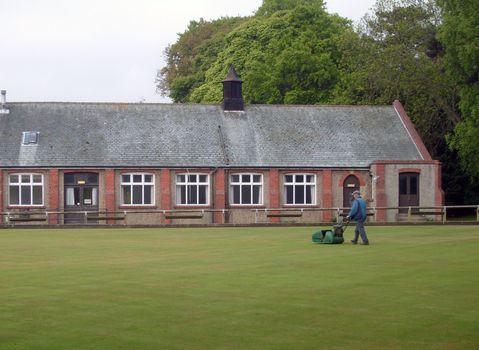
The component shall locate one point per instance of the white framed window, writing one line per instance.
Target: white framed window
(192, 189)
(299, 189)
(246, 189)
(137, 189)
(25, 189)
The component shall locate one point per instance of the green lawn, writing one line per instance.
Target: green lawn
(414, 287)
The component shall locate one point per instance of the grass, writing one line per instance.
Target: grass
(415, 287)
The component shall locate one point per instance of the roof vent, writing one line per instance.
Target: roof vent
(232, 92)
(3, 107)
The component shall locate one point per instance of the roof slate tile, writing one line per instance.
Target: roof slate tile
(175, 135)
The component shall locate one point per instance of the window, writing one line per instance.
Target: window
(25, 189)
(137, 189)
(246, 189)
(30, 137)
(192, 189)
(300, 189)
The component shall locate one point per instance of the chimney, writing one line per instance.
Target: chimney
(232, 92)
(3, 107)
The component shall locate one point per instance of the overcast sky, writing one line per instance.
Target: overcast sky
(104, 50)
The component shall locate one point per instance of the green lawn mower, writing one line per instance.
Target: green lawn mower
(334, 236)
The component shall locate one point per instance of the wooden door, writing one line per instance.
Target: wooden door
(408, 191)
(351, 184)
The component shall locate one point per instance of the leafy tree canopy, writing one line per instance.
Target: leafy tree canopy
(271, 6)
(459, 35)
(189, 58)
(290, 56)
(398, 57)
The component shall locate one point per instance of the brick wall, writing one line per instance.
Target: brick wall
(383, 191)
(219, 195)
(327, 201)
(165, 191)
(53, 197)
(110, 192)
(274, 200)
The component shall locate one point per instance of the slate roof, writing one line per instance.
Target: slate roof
(176, 135)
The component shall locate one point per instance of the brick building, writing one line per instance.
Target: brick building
(216, 163)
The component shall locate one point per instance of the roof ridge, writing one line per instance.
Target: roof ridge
(188, 104)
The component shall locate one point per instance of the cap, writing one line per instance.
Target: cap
(356, 192)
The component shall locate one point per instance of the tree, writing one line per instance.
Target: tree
(289, 56)
(397, 57)
(459, 36)
(269, 7)
(188, 59)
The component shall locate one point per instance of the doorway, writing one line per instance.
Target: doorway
(351, 184)
(408, 191)
(81, 195)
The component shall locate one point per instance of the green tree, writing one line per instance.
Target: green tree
(190, 56)
(269, 7)
(459, 35)
(290, 56)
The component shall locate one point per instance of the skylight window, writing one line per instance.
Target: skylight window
(30, 137)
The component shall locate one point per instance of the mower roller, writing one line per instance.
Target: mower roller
(334, 236)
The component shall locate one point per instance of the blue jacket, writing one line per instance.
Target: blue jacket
(358, 210)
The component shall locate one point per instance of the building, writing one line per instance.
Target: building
(207, 164)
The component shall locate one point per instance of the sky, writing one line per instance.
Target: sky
(104, 50)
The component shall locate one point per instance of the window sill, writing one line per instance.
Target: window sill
(300, 206)
(192, 206)
(246, 206)
(26, 207)
(138, 207)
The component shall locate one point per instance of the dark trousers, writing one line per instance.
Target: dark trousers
(359, 231)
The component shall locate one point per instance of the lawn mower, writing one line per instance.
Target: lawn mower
(334, 236)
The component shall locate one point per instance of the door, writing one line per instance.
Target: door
(408, 191)
(81, 195)
(351, 184)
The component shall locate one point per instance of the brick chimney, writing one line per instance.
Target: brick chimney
(3, 103)
(232, 92)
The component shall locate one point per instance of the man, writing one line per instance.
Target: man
(358, 213)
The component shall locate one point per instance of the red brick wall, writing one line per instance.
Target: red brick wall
(327, 200)
(219, 195)
(110, 192)
(53, 196)
(274, 200)
(165, 191)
